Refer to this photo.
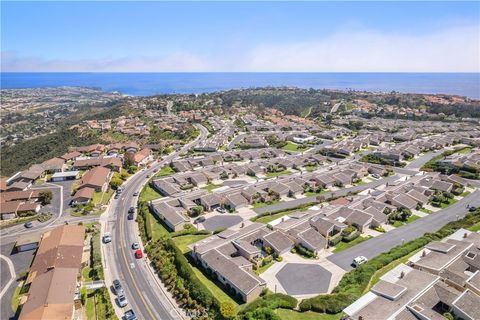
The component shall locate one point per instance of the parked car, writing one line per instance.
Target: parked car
(122, 300)
(471, 208)
(117, 287)
(147, 176)
(135, 193)
(221, 210)
(139, 254)
(199, 220)
(107, 237)
(116, 196)
(359, 260)
(119, 190)
(155, 170)
(130, 216)
(130, 315)
(131, 210)
(376, 176)
(28, 225)
(135, 246)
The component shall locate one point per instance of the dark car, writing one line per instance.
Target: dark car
(116, 196)
(199, 220)
(117, 286)
(131, 210)
(471, 209)
(135, 193)
(28, 225)
(130, 216)
(130, 315)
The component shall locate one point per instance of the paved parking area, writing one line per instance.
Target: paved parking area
(303, 279)
(221, 221)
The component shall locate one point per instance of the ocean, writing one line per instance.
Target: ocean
(145, 84)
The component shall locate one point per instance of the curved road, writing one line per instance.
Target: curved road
(145, 294)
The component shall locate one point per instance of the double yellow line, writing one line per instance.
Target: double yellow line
(122, 232)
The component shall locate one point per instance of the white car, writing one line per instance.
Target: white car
(107, 237)
(359, 260)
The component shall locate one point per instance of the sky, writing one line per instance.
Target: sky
(121, 36)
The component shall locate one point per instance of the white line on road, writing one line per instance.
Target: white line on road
(12, 274)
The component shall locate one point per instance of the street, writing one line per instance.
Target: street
(408, 232)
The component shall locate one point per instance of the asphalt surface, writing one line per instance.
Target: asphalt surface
(145, 298)
(411, 231)
(339, 193)
(301, 278)
(21, 262)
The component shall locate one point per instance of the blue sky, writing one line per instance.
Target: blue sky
(240, 36)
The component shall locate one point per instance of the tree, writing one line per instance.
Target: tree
(116, 182)
(45, 197)
(227, 309)
(197, 210)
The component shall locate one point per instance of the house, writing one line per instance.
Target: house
(251, 193)
(64, 176)
(97, 178)
(83, 196)
(211, 201)
(404, 201)
(174, 219)
(360, 219)
(198, 179)
(294, 189)
(13, 209)
(54, 165)
(442, 186)
(71, 156)
(278, 189)
(165, 188)
(53, 274)
(235, 201)
(312, 240)
(140, 158)
(278, 241)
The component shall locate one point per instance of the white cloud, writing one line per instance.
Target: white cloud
(456, 49)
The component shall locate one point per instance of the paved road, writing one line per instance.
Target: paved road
(411, 231)
(142, 291)
(339, 193)
(420, 161)
(236, 140)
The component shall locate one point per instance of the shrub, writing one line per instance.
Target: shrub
(351, 236)
(380, 229)
(305, 252)
(148, 226)
(279, 258)
(271, 301)
(335, 240)
(227, 310)
(83, 295)
(267, 260)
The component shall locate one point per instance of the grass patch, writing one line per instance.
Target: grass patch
(148, 193)
(425, 210)
(158, 228)
(182, 242)
(398, 223)
(16, 298)
(102, 198)
(287, 314)
(210, 187)
(264, 268)
(345, 245)
(276, 174)
(86, 274)
(475, 227)
(464, 194)
(290, 146)
(165, 171)
(90, 307)
(267, 219)
(360, 183)
(376, 277)
(310, 168)
(213, 288)
(265, 204)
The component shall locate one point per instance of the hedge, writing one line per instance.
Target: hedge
(355, 282)
(148, 224)
(271, 301)
(179, 278)
(96, 257)
(352, 236)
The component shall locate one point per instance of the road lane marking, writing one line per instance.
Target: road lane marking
(12, 274)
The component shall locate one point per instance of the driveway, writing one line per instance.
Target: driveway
(411, 231)
(221, 221)
(21, 262)
(303, 279)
